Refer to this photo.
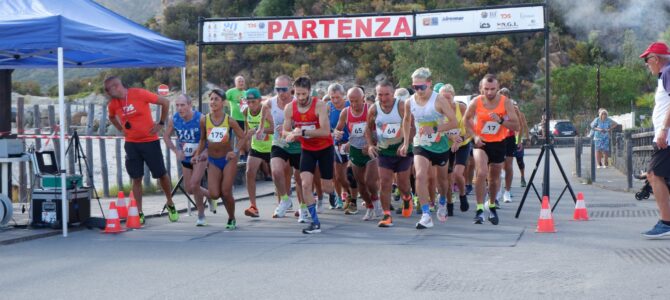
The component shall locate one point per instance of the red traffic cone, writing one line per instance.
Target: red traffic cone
(121, 205)
(545, 224)
(113, 222)
(133, 221)
(580, 209)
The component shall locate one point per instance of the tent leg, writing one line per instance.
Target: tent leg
(183, 80)
(61, 114)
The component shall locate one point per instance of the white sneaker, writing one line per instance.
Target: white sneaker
(212, 205)
(319, 206)
(507, 197)
(201, 222)
(442, 213)
(280, 211)
(290, 208)
(369, 214)
(425, 222)
(303, 216)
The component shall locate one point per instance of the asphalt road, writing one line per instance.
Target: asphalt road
(265, 258)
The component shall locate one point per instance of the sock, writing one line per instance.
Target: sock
(284, 198)
(312, 213)
(480, 206)
(370, 205)
(303, 205)
(425, 208)
(407, 197)
(376, 204)
(442, 200)
(492, 205)
(665, 222)
(387, 212)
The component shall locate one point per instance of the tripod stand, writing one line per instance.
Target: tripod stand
(546, 148)
(79, 154)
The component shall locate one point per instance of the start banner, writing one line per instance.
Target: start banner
(483, 21)
(385, 27)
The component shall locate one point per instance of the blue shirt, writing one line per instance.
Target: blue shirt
(334, 117)
(187, 132)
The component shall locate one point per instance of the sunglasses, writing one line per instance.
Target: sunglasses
(648, 58)
(281, 89)
(127, 125)
(420, 87)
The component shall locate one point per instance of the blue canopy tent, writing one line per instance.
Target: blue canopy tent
(78, 34)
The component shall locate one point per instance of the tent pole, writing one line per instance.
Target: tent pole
(183, 80)
(61, 114)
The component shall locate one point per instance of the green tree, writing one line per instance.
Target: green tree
(275, 8)
(181, 21)
(27, 88)
(441, 56)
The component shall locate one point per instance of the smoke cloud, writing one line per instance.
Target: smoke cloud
(611, 18)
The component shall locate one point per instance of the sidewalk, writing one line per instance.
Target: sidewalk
(18, 231)
(610, 178)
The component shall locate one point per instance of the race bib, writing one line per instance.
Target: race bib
(454, 131)
(189, 149)
(427, 139)
(391, 131)
(358, 129)
(491, 127)
(218, 135)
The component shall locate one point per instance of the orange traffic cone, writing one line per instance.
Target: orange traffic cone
(121, 205)
(545, 224)
(113, 221)
(133, 221)
(580, 209)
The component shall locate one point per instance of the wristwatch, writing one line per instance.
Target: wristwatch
(501, 121)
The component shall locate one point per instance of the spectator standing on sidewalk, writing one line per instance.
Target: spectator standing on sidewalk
(602, 126)
(657, 59)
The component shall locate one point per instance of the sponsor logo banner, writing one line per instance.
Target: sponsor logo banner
(480, 21)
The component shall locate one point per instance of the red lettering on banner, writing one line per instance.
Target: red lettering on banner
(383, 23)
(308, 26)
(365, 28)
(342, 25)
(273, 27)
(291, 31)
(326, 27)
(402, 27)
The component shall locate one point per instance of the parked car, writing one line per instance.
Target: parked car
(557, 128)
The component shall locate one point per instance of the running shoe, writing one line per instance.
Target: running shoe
(212, 205)
(479, 216)
(319, 205)
(290, 207)
(497, 203)
(332, 199)
(280, 211)
(378, 212)
(387, 221)
(312, 228)
(468, 189)
(173, 215)
(442, 213)
(142, 218)
(450, 209)
(493, 216)
(369, 214)
(201, 222)
(231, 224)
(338, 203)
(303, 216)
(252, 211)
(523, 182)
(352, 209)
(407, 208)
(396, 193)
(658, 231)
(507, 197)
(464, 203)
(425, 222)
